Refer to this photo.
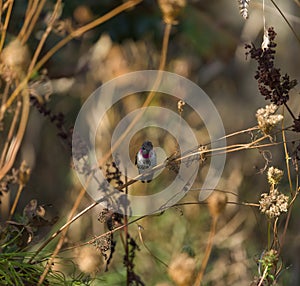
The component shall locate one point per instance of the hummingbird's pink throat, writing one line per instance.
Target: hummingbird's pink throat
(146, 156)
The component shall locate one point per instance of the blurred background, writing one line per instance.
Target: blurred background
(207, 47)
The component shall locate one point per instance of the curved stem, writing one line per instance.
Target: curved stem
(6, 22)
(19, 137)
(207, 252)
(62, 238)
(286, 20)
(13, 208)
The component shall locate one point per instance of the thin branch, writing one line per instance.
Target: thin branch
(6, 22)
(19, 136)
(62, 238)
(34, 20)
(10, 133)
(286, 20)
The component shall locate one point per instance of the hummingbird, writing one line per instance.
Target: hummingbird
(145, 159)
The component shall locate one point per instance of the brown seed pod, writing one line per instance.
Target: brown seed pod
(217, 203)
(181, 269)
(24, 174)
(15, 59)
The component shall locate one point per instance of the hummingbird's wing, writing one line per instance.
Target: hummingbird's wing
(153, 158)
(135, 159)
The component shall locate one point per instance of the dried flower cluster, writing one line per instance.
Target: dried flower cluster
(266, 118)
(274, 203)
(272, 85)
(107, 244)
(103, 244)
(274, 176)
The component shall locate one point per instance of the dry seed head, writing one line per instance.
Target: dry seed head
(181, 269)
(217, 203)
(266, 118)
(274, 203)
(171, 9)
(274, 176)
(15, 59)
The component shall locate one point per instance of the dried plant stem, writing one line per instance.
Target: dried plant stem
(191, 155)
(62, 238)
(104, 234)
(286, 20)
(240, 132)
(290, 111)
(13, 208)
(5, 5)
(6, 22)
(4, 98)
(263, 276)
(68, 223)
(285, 228)
(207, 253)
(1, 7)
(63, 42)
(126, 238)
(10, 133)
(33, 21)
(287, 159)
(16, 143)
(149, 98)
(31, 8)
(165, 45)
(44, 37)
(148, 249)
(24, 118)
(250, 204)
(229, 149)
(269, 234)
(142, 217)
(113, 231)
